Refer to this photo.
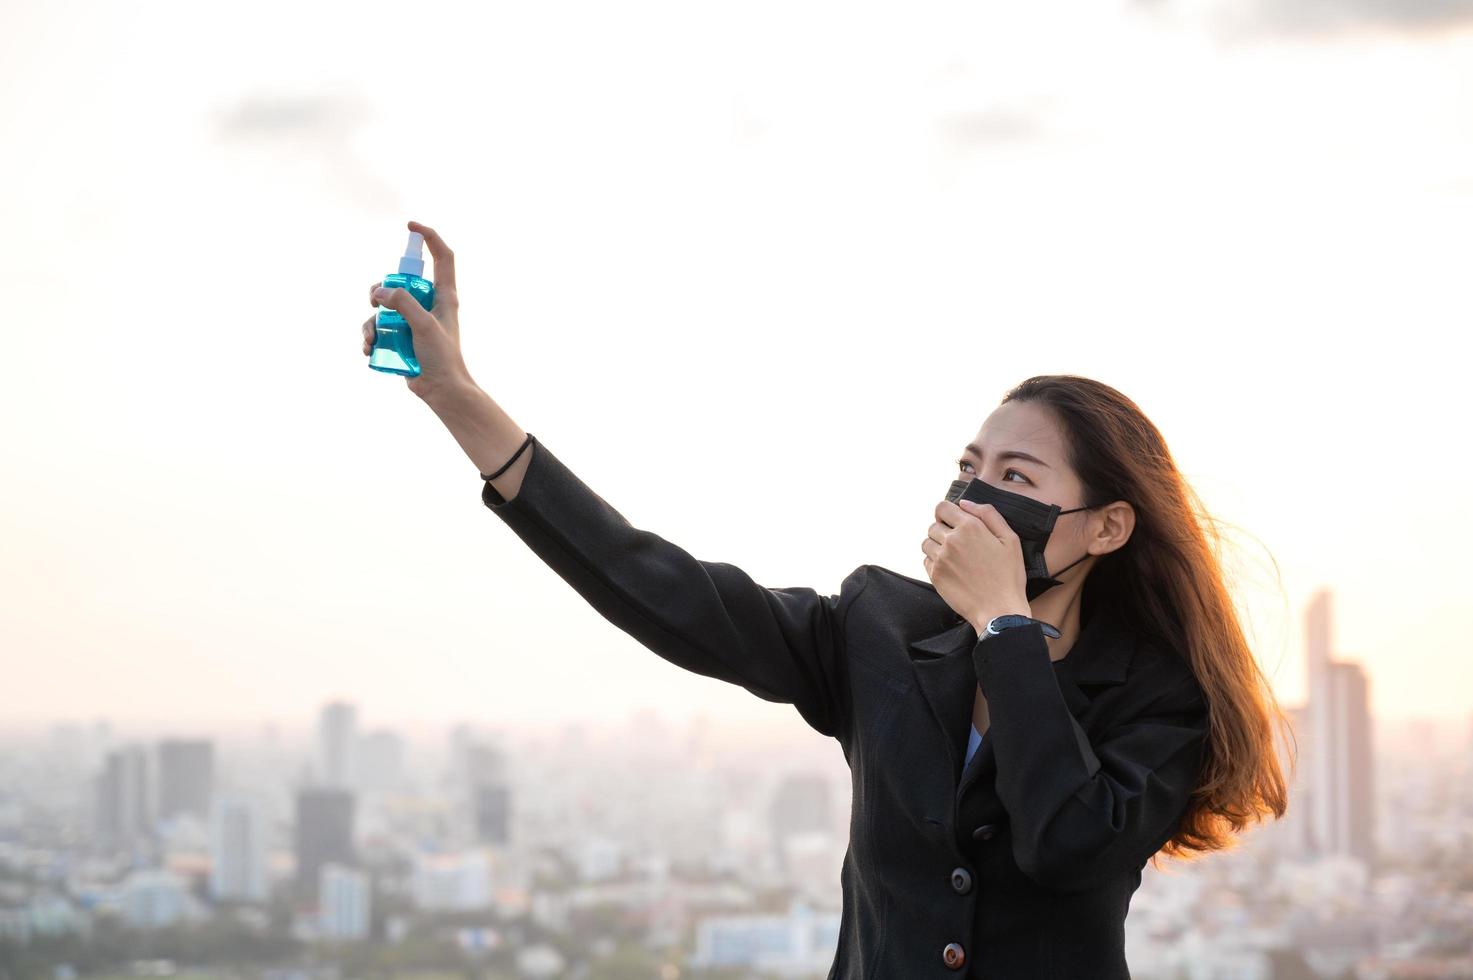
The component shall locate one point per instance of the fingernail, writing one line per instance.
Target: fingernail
(380, 293)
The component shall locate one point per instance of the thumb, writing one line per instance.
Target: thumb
(403, 302)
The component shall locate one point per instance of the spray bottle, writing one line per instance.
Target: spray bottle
(393, 344)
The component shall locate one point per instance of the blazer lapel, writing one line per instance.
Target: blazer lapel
(947, 679)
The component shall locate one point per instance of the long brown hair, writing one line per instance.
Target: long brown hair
(1167, 582)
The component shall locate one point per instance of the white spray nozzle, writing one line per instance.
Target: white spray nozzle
(413, 261)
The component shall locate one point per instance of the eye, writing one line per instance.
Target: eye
(961, 463)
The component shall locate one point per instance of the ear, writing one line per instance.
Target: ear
(1115, 523)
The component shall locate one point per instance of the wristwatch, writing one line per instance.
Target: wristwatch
(997, 624)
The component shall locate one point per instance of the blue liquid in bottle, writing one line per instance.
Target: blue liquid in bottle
(393, 344)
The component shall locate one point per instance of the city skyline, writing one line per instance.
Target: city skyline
(353, 835)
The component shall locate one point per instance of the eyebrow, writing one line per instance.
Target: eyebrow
(1010, 454)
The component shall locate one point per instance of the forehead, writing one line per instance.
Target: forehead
(1022, 425)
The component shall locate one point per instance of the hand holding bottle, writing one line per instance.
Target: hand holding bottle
(436, 335)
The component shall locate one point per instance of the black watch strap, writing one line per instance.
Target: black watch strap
(999, 623)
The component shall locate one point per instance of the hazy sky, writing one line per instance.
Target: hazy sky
(754, 271)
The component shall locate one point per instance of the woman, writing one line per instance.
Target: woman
(1105, 724)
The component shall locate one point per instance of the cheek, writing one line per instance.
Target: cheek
(1069, 542)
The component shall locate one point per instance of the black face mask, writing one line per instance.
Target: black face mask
(1030, 520)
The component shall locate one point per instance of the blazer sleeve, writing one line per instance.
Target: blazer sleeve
(1083, 810)
(711, 618)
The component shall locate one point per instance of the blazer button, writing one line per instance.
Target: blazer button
(961, 880)
(984, 832)
(954, 956)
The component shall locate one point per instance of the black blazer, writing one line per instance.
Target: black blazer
(1018, 868)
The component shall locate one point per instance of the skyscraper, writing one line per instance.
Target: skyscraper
(1351, 811)
(801, 803)
(239, 851)
(1340, 756)
(337, 734)
(800, 807)
(1467, 793)
(1317, 659)
(380, 761)
(324, 832)
(186, 777)
(122, 794)
(1293, 835)
(490, 793)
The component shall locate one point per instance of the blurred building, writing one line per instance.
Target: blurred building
(153, 898)
(1292, 835)
(43, 916)
(1466, 795)
(323, 831)
(1350, 812)
(489, 793)
(239, 851)
(1339, 758)
(337, 734)
(379, 762)
(186, 777)
(343, 902)
(801, 807)
(452, 882)
(123, 798)
(799, 944)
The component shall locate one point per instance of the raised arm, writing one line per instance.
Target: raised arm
(711, 618)
(486, 433)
